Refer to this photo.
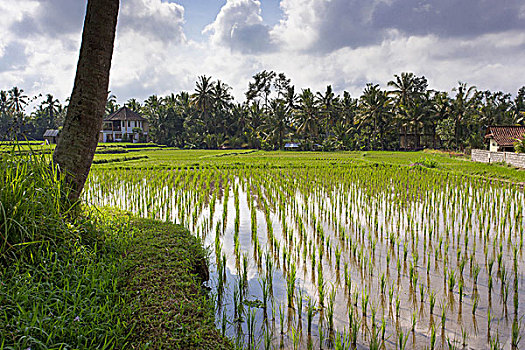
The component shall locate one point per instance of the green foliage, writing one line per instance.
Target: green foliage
(69, 296)
(427, 162)
(34, 206)
(408, 115)
(60, 267)
(519, 146)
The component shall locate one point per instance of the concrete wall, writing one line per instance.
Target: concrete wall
(479, 155)
(515, 159)
(483, 156)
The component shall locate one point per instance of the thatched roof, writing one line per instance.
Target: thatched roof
(505, 135)
(124, 113)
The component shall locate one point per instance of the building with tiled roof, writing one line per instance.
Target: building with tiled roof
(123, 125)
(503, 138)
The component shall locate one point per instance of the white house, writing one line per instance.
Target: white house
(124, 125)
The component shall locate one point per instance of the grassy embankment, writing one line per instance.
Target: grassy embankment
(74, 278)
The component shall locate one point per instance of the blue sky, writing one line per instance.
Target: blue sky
(163, 46)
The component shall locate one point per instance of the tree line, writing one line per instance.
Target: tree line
(406, 115)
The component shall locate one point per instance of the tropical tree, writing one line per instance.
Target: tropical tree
(17, 101)
(409, 104)
(52, 107)
(221, 100)
(261, 87)
(202, 98)
(464, 106)
(307, 118)
(375, 112)
(133, 104)
(276, 124)
(78, 140)
(111, 104)
(327, 110)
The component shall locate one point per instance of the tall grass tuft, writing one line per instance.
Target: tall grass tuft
(34, 205)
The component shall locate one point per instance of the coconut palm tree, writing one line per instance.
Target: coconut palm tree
(133, 104)
(375, 112)
(407, 92)
(307, 117)
(464, 106)
(202, 98)
(52, 107)
(327, 103)
(79, 137)
(111, 103)
(17, 101)
(221, 101)
(276, 124)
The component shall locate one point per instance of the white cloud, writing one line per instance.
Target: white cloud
(314, 44)
(154, 18)
(239, 26)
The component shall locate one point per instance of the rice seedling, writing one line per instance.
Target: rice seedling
(432, 337)
(364, 300)
(475, 304)
(354, 332)
(341, 341)
(299, 302)
(451, 281)
(443, 315)
(402, 340)
(290, 285)
(515, 334)
(310, 310)
(250, 321)
(281, 318)
(330, 308)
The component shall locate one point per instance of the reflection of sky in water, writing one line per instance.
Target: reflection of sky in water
(365, 218)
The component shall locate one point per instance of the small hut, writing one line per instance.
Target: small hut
(51, 136)
(503, 138)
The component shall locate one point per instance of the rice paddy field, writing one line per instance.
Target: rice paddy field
(342, 250)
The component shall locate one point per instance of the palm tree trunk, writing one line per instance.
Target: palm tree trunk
(79, 137)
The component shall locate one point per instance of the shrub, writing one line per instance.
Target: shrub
(427, 162)
(519, 145)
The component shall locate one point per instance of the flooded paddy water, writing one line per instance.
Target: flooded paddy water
(345, 257)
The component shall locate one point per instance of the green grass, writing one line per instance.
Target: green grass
(33, 206)
(441, 162)
(73, 278)
(164, 272)
(67, 297)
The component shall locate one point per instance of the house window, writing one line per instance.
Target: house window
(129, 123)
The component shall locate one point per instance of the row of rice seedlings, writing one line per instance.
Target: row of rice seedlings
(352, 220)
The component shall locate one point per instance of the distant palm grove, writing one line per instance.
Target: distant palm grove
(408, 115)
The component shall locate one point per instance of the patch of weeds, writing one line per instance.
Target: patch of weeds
(427, 163)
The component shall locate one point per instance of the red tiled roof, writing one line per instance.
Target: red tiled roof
(505, 135)
(124, 113)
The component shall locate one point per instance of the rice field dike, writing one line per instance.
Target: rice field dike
(296, 250)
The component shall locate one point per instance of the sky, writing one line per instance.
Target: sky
(162, 46)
